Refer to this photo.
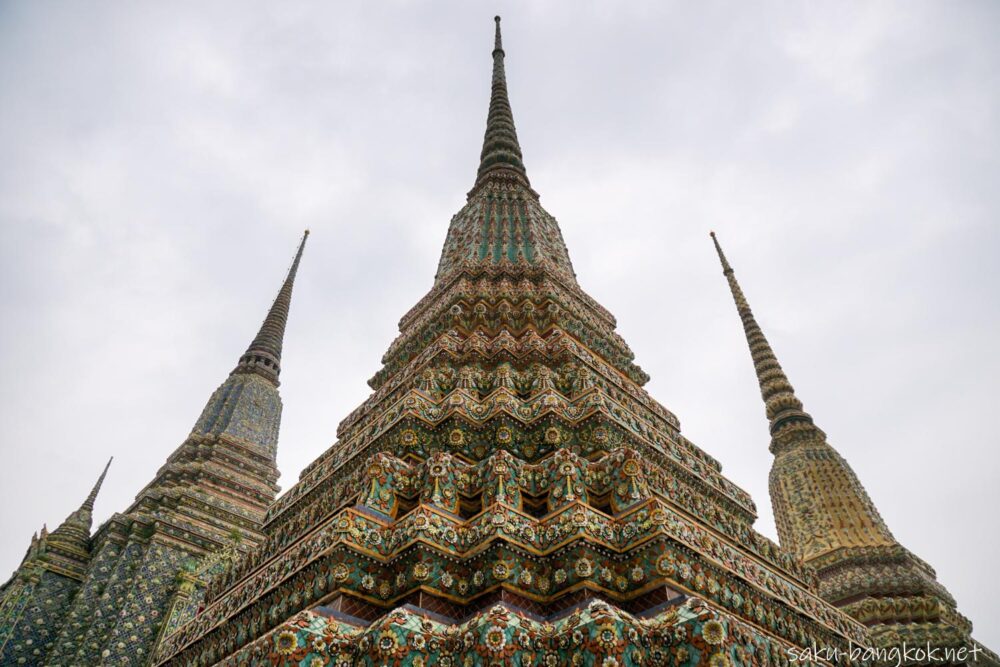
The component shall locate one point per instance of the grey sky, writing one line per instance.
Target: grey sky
(158, 163)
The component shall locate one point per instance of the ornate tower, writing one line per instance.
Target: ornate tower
(35, 599)
(827, 521)
(146, 568)
(509, 494)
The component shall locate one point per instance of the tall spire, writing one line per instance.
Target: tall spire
(780, 402)
(501, 150)
(820, 506)
(263, 357)
(826, 519)
(88, 504)
(73, 534)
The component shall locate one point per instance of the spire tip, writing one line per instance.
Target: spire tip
(497, 40)
(263, 357)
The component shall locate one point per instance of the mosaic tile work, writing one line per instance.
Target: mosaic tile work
(596, 634)
(509, 494)
(34, 617)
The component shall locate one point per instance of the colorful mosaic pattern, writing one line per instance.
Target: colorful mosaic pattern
(508, 453)
(508, 495)
(597, 634)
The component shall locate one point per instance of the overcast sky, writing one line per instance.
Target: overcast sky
(158, 164)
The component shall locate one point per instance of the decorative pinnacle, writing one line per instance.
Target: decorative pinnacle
(497, 40)
(73, 534)
(726, 269)
(263, 357)
(88, 504)
(780, 402)
(501, 150)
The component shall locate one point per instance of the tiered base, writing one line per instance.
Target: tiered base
(682, 631)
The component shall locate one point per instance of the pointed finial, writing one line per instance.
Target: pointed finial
(74, 533)
(263, 357)
(497, 41)
(722, 257)
(501, 154)
(89, 502)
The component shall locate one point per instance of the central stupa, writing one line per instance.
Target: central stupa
(509, 494)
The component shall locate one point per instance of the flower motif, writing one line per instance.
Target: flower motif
(286, 642)
(713, 632)
(584, 568)
(495, 639)
(501, 570)
(421, 571)
(341, 572)
(631, 468)
(388, 642)
(504, 435)
(368, 581)
(456, 438)
(408, 437)
(418, 641)
(447, 580)
(718, 660)
(560, 575)
(553, 436)
(637, 574)
(607, 638)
